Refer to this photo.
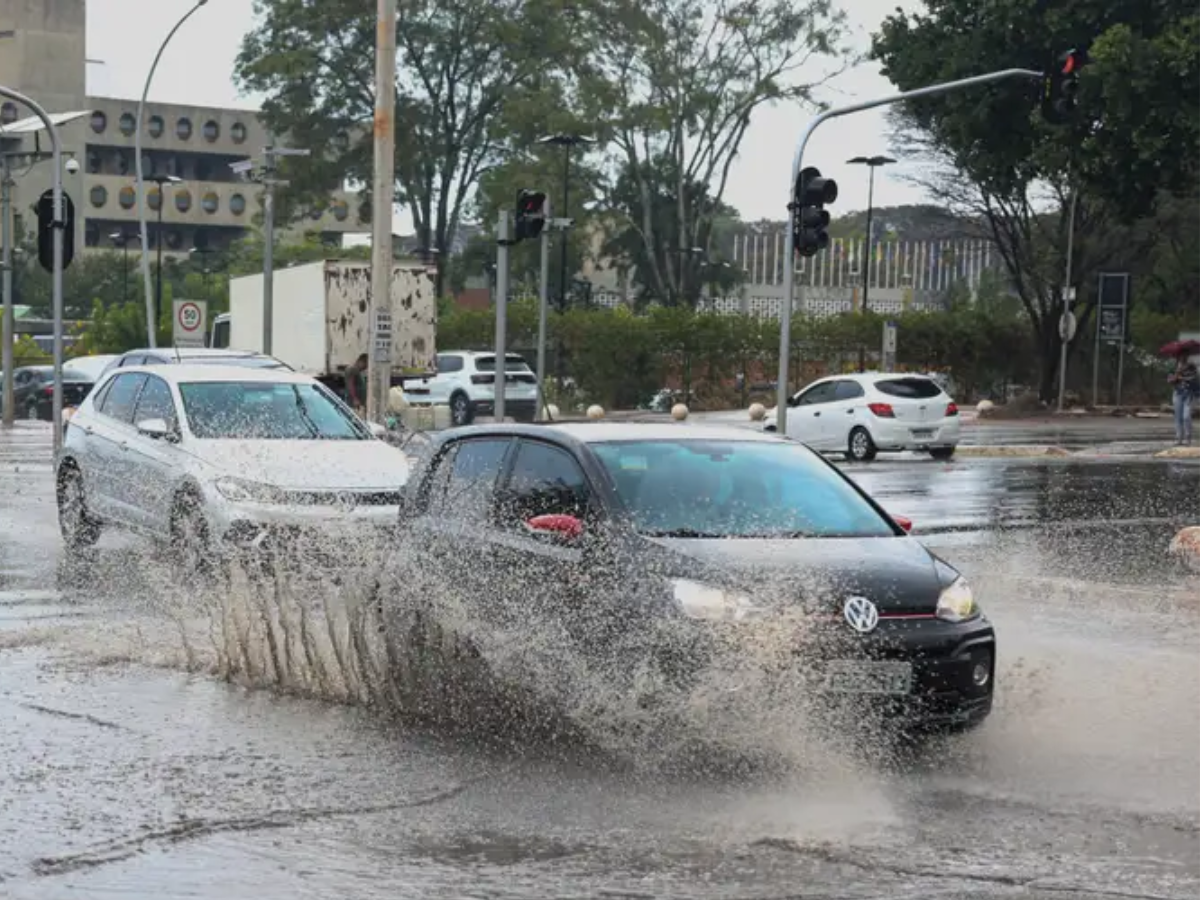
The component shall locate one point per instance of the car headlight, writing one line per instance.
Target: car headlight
(957, 602)
(240, 490)
(703, 601)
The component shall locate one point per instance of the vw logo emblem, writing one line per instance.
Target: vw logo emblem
(861, 614)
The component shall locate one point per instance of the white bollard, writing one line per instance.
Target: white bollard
(984, 406)
(758, 412)
(679, 412)
(551, 412)
(595, 411)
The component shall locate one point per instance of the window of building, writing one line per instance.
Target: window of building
(98, 195)
(183, 128)
(155, 126)
(212, 131)
(9, 113)
(203, 170)
(99, 122)
(127, 198)
(238, 133)
(93, 162)
(127, 123)
(237, 204)
(124, 164)
(183, 199)
(174, 239)
(341, 210)
(91, 235)
(211, 202)
(154, 198)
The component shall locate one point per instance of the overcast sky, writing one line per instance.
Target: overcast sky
(197, 68)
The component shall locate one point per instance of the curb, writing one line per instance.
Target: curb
(1016, 451)
(1178, 453)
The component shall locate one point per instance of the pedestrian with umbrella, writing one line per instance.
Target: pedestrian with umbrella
(1185, 381)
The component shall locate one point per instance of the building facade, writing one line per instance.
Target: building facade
(43, 55)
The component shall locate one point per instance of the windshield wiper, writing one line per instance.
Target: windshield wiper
(683, 533)
(312, 426)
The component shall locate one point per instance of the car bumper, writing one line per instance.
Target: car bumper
(894, 435)
(248, 525)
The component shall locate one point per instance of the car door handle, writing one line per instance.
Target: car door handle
(816, 414)
(850, 411)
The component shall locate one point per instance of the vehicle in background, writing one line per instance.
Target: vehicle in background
(211, 457)
(643, 547)
(466, 382)
(89, 368)
(322, 318)
(867, 413)
(203, 356)
(33, 391)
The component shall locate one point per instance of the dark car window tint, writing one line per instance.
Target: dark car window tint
(153, 361)
(472, 473)
(156, 402)
(103, 395)
(118, 402)
(848, 390)
(544, 480)
(909, 388)
(449, 364)
(693, 488)
(822, 393)
(512, 363)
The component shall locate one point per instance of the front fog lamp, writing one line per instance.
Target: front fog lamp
(703, 601)
(240, 491)
(957, 602)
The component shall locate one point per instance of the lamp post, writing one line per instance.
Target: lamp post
(873, 163)
(121, 239)
(205, 269)
(151, 319)
(162, 181)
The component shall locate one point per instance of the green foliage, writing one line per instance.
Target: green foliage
(26, 352)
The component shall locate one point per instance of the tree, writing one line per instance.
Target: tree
(996, 160)
(462, 66)
(676, 83)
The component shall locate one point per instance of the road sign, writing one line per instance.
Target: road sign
(1067, 324)
(382, 351)
(187, 323)
(889, 346)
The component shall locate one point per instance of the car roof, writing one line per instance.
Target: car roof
(209, 372)
(605, 432)
(194, 352)
(474, 353)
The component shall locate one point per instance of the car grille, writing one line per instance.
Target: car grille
(343, 498)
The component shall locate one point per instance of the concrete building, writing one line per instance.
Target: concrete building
(43, 55)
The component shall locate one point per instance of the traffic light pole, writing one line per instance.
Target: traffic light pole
(543, 302)
(1067, 297)
(503, 239)
(789, 259)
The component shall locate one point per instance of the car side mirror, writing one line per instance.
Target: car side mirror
(155, 428)
(562, 526)
(905, 523)
(793, 401)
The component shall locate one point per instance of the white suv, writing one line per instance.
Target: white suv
(864, 414)
(466, 382)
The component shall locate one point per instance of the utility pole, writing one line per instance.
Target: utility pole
(541, 413)
(264, 173)
(1066, 324)
(6, 186)
(382, 203)
(503, 240)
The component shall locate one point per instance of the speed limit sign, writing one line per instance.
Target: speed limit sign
(188, 322)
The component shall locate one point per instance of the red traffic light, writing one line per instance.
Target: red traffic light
(1071, 62)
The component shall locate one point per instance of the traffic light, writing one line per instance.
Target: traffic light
(531, 214)
(1060, 87)
(812, 193)
(46, 226)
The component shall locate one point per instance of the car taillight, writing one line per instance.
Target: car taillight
(952, 409)
(883, 410)
(48, 390)
(483, 379)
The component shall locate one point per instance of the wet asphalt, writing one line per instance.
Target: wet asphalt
(126, 770)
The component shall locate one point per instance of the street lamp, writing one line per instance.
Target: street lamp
(151, 318)
(162, 181)
(566, 141)
(121, 239)
(205, 269)
(873, 163)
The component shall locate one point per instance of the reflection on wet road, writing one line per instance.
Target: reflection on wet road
(121, 774)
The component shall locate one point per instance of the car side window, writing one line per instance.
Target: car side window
(148, 360)
(98, 403)
(447, 364)
(156, 402)
(119, 402)
(848, 390)
(545, 480)
(462, 485)
(821, 393)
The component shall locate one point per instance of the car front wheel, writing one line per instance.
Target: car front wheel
(79, 529)
(190, 542)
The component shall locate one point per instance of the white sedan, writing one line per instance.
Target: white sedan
(863, 414)
(209, 456)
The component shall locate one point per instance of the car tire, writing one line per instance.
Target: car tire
(860, 447)
(460, 410)
(191, 547)
(79, 529)
(942, 452)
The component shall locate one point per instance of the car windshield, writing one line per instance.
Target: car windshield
(257, 410)
(735, 489)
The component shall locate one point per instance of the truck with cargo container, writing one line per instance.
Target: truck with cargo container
(321, 319)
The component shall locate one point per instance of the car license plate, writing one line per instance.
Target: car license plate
(853, 677)
(920, 433)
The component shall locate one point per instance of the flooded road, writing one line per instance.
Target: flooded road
(128, 770)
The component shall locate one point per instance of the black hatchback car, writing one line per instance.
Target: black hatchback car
(610, 530)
